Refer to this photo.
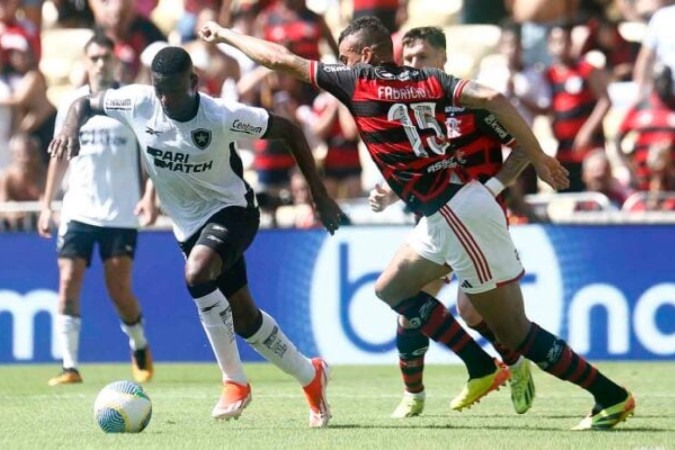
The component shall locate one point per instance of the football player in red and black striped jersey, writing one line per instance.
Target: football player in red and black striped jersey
(400, 113)
(478, 139)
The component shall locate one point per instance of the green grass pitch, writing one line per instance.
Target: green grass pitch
(35, 416)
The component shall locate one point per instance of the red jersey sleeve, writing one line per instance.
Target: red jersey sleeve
(488, 123)
(337, 79)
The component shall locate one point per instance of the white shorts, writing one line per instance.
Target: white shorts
(470, 234)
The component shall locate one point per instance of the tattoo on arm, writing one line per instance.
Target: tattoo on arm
(300, 68)
(474, 95)
(513, 166)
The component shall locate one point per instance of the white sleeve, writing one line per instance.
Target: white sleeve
(650, 39)
(121, 104)
(245, 121)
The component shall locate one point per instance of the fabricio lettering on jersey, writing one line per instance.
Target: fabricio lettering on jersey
(496, 126)
(247, 128)
(177, 162)
(407, 93)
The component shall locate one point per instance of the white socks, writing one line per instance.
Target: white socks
(136, 335)
(273, 344)
(216, 317)
(68, 330)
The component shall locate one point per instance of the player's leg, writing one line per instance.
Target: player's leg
(201, 272)
(117, 247)
(214, 249)
(267, 338)
(400, 286)
(74, 245)
(521, 381)
(412, 345)
(494, 290)
(503, 310)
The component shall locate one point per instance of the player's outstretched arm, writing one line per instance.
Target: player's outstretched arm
(283, 129)
(268, 54)
(477, 96)
(66, 143)
(514, 165)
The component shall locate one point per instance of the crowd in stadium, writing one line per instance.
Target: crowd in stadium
(594, 78)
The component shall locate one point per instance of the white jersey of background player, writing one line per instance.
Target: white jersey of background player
(103, 181)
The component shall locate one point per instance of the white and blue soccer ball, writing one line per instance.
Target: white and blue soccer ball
(122, 407)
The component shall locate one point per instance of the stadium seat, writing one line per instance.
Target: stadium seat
(467, 45)
(426, 13)
(62, 48)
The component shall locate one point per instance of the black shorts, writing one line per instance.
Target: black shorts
(79, 239)
(229, 232)
(340, 173)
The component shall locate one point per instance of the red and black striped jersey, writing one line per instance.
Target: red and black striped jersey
(401, 115)
(572, 103)
(299, 32)
(342, 152)
(478, 138)
(654, 123)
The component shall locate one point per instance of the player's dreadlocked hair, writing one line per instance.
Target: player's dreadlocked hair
(372, 33)
(100, 38)
(433, 35)
(171, 60)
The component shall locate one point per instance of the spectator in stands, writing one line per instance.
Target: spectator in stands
(73, 14)
(130, 31)
(392, 13)
(304, 215)
(528, 91)
(660, 195)
(32, 11)
(10, 24)
(188, 22)
(272, 161)
(33, 112)
(620, 55)
(657, 47)
(579, 104)
(341, 166)
(218, 72)
(22, 181)
(5, 119)
(293, 25)
(653, 121)
(598, 177)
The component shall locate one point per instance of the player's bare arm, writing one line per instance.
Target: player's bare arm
(474, 95)
(55, 172)
(268, 54)
(66, 144)
(514, 165)
(283, 129)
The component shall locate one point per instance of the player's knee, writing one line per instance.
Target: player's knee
(198, 274)
(390, 292)
(467, 312)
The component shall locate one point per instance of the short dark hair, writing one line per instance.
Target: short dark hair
(433, 35)
(171, 60)
(372, 32)
(100, 38)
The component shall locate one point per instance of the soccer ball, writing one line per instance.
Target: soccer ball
(122, 407)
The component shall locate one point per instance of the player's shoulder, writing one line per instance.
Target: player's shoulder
(70, 97)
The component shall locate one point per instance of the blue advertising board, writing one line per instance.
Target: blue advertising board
(608, 290)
